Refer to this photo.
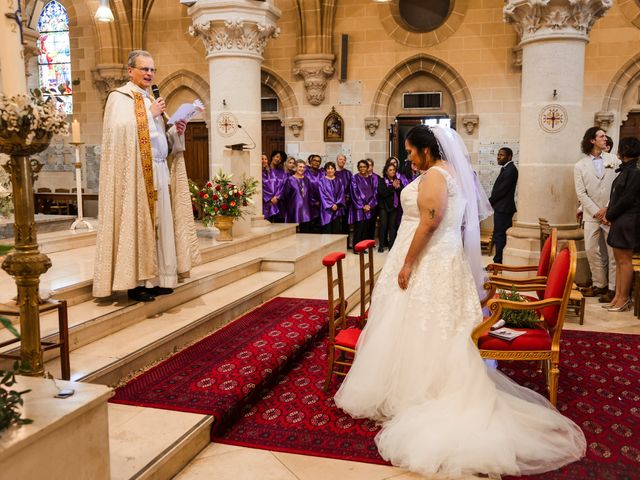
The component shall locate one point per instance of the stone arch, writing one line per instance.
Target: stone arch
(284, 92)
(422, 63)
(613, 97)
(185, 79)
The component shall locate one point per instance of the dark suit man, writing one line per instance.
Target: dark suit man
(503, 200)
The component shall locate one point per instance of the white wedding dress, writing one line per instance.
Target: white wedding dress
(418, 372)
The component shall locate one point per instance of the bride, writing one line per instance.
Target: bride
(417, 370)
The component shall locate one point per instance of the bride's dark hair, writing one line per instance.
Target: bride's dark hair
(421, 137)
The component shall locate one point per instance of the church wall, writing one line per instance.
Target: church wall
(480, 51)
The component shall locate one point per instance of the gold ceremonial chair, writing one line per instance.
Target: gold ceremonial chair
(537, 343)
(342, 339)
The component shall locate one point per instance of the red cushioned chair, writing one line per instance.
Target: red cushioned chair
(342, 340)
(366, 275)
(537, 343)
(547, 256)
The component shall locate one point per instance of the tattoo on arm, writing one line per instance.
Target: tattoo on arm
(432, 213)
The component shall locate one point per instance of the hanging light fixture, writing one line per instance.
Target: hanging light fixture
(104, 13)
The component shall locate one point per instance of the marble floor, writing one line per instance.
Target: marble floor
(226, 462)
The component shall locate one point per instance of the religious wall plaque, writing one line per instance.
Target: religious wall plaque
(333, 127)
(553, 118)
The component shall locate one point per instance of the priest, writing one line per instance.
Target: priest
(146, 234)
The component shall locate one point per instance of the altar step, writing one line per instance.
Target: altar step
(148, 443)
(110, 339)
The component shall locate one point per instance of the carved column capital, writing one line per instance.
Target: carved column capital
(315, 69)
(470, 122)
(604, 120)
(371, 124)
(295, 124)
(238, 37)
(544, 19)
(107, 77)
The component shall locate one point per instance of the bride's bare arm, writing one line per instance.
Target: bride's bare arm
(432, 203)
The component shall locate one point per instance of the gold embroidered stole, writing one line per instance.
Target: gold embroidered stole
(146, 158)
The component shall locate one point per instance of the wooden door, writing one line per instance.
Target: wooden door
(630, 127)
(401, 128)
(272, 136)
(196, 155)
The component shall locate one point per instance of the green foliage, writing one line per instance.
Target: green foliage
(10, 399)
(517, 318)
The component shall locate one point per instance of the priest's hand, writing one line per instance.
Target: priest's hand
(181, 126)
(158, 107)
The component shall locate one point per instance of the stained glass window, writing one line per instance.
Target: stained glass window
(54, 59)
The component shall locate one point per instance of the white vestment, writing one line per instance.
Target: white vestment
(131, 250)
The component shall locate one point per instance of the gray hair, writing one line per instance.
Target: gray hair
(133, 56)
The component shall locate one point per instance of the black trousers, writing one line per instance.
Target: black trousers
(305, 227)
(388, 228)
(371, 234)
(335, 226)
(501, 223)
(361, 231)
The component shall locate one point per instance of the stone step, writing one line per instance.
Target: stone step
(71, 274)
(148, 443)
(108, 359)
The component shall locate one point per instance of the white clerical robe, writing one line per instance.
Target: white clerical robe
(131, 250)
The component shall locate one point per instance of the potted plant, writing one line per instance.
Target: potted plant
(221, 201)
(27, 123)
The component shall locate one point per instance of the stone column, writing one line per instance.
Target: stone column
(235, 34)
(553, 37)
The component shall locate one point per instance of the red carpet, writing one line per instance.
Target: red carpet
(217, 375)
(599, 389)
(266, 371)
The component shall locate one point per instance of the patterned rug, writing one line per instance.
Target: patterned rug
(217, 375)
(599, 389)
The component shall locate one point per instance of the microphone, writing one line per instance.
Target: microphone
(156, 93)
(252, 141)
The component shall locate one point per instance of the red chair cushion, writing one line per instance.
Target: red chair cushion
(556, 283)
(364, 245)
(330, 259)
(534, 339)
(348, 337)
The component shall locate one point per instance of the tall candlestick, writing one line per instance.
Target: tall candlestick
(12, 71)
(75, 132)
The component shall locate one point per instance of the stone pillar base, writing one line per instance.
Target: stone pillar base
(523, 246)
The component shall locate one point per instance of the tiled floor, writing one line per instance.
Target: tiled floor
(225, 462)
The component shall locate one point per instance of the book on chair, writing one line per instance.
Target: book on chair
(505, 333)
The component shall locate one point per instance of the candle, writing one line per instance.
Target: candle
(75, 132)
(12, 73)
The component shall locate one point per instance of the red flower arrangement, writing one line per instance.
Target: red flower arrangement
(221, 196)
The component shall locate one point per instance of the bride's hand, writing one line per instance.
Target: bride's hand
(403, 276)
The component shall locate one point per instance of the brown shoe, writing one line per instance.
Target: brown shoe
(588, 292)
(607, 297)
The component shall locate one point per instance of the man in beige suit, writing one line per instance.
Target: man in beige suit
(593, 176)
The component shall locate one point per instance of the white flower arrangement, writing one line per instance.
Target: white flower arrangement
(609, 165)
(29, 116)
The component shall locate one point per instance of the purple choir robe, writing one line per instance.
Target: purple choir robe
(279, 180)
(314, 198)
(268, 192)
(296, 194)
(363, 192)
(331, 193)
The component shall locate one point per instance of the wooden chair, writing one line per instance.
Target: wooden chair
(63, 335)
(367, 276)
(486, 241)
(342, 339)
(537, 343)
(61, 206)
